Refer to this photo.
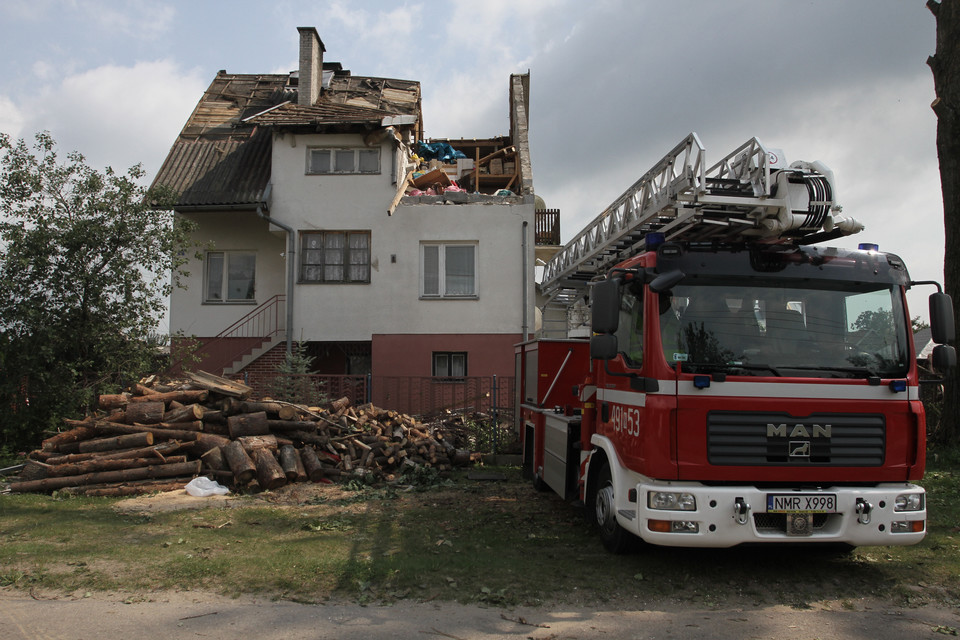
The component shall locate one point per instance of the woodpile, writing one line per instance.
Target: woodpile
(158, 437)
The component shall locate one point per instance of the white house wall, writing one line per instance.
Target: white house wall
(391, 302)
(233, 231)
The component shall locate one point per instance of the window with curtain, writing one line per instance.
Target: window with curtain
(449, 364)
(335, 256)
(448, 270)
(230, 276)
(343, 161)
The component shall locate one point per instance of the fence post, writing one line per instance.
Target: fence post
(496, 422)
(369, 393)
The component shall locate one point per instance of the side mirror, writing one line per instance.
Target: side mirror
(944, 358)
(666, 281)
(605, 306)
(942, 325)
(603, 347)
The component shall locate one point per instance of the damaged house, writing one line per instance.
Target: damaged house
(328, 224)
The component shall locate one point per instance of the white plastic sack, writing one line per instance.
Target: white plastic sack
(203, 487)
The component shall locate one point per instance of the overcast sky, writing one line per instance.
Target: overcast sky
(615, 84)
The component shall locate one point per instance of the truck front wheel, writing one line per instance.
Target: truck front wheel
(614, 537)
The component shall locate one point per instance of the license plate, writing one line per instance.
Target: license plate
(801, 503)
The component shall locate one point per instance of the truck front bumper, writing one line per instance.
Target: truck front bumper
(728, 516)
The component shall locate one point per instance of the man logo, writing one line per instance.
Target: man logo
(799, 431)
(799, 448)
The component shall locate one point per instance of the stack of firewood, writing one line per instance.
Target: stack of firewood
(159, 437)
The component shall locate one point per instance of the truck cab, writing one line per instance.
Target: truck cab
(754, 393)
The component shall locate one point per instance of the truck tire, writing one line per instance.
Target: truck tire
(615, 538)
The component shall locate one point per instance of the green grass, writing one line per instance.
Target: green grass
(495, 542)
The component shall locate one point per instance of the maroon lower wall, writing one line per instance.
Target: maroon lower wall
(412, 354)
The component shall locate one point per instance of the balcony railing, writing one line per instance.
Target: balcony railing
(548, 227)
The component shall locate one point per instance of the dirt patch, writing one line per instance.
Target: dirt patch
(171, 501)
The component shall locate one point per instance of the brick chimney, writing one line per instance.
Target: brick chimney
(311, 66)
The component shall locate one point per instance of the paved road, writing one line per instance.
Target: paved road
(189, 615)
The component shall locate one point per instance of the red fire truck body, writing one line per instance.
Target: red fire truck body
(737, 392)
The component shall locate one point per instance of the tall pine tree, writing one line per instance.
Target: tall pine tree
(945, 65)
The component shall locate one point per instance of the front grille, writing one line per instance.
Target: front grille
(777, 522)
(779, 439)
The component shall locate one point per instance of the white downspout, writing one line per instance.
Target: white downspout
(524, 295)
(291, 260)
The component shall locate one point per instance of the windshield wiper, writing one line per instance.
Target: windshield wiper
(728, 367)
(865, 372)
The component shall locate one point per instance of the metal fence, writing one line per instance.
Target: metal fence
(492, 397)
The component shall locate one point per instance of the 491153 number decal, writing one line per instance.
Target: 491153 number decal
(625, 420)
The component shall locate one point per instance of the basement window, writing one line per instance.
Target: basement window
(449, 364)
(230, 276)
(342, 161)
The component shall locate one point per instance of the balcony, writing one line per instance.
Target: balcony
(547, 235)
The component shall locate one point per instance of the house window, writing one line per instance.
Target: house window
(230, 276)
(343, 161)
(448, 270)
(449, 364)
(335, 256)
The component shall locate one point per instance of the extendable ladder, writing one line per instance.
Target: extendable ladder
(748, 195)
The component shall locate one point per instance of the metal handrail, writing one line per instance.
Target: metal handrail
(262, 322)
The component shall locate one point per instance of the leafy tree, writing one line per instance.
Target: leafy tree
(945, 65)
(86, 259)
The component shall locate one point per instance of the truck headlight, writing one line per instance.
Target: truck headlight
(671, 501)
(908, 502)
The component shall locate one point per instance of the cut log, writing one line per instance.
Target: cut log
(144, 413)
(292, 464)
(105, 426)
(248, 424)
(250, 443)
(77, 433)
(292, 425)
(189, 396)
(124, 475)
(207, 441)
(239, 462)
(219, 385)
(34, 470)
(215, 416)
(230, 406)
(308, 438)
(195, 425)
(144, 390)
(269, 473)
(109, 401)
(156, 451)
(127, 441)
(337, 407)
(97, 464)
(128, 488)
(213, 459)
(311, 464)
(188, 413)
(248, 406)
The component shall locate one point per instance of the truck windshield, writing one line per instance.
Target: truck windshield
(849, 330)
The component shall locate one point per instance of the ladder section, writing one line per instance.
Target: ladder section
(749, 194)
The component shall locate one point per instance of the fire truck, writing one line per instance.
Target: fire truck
(739, 383)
